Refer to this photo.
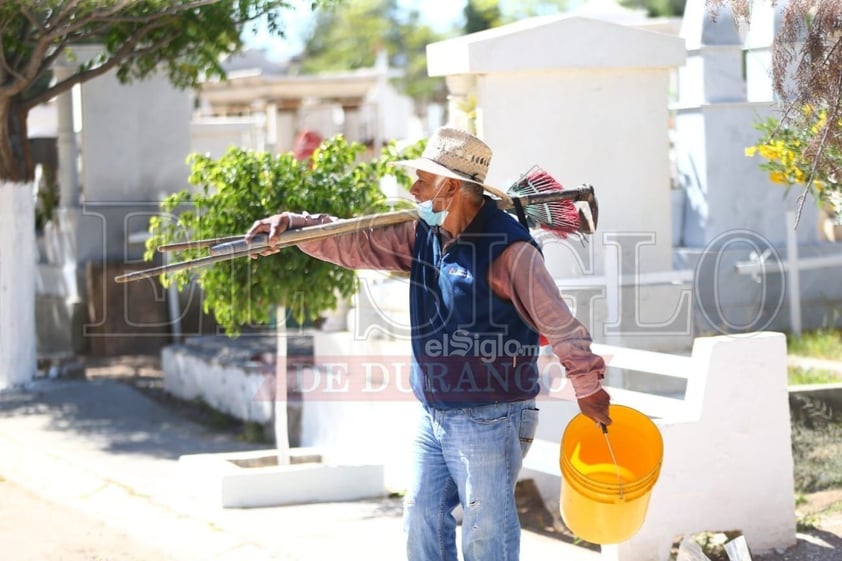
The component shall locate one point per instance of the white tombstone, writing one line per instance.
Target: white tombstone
(587, 100)
(726, 191)
(713, 72)
(135, 139)
(759, 38)
(17, 285)
(132, 143)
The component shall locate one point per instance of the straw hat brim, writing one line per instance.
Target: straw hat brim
(425, 164)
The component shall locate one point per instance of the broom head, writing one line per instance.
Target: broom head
(562, 217)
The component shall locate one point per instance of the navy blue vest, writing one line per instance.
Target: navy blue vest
(469, 346)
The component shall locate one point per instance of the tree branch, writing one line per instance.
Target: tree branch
(111, 14)
(829, 123)
(63, 31)
(32, 19)
(32, 69)
(63, 12)
(79, 77)
(4, 65)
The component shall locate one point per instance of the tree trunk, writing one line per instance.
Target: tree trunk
(281, 428)
(15, 152)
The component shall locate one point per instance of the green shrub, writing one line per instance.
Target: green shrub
(244, 186)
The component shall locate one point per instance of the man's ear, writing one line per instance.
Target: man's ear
(452, 186)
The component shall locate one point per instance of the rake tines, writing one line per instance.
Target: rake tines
(562, 217)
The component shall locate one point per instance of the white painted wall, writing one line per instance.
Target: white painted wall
(393, 110)
(215, 135)
(18, 256)
(135, 139)
(242, 390)
(605, 128)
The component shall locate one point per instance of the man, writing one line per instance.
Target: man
(480, 294)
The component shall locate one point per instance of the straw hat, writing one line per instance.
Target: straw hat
(453, 153)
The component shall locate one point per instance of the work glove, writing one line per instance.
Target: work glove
(595, 406)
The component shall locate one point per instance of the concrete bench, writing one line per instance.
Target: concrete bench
(727, 454)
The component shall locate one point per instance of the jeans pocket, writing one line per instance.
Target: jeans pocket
(528, 426)
(489, 414)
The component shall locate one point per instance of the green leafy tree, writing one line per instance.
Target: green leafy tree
(243, 186)
(658, 8)
(349, 37)
(184, 39)
(481, 14)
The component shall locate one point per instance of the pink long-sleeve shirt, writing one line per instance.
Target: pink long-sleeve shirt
(518, 275)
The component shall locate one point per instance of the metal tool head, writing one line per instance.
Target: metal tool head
(588, 207)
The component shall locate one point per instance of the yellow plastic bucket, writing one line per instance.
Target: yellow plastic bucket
(604, 502)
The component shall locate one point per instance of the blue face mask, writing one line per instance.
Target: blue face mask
(428, 215)
(426, 212)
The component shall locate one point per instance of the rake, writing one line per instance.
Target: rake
(537, 199)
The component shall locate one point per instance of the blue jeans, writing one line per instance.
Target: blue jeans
(470, 457)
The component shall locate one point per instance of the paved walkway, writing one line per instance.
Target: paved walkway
(105, 451)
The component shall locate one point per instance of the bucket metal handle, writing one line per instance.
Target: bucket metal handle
(613, 459)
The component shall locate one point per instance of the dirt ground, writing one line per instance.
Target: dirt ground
(64, 534)
(32, 529)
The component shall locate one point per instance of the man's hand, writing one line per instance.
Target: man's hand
(595, 406)
(273, 227)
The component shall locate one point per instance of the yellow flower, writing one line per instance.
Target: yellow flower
(778, 177)
(768, 152)
(787, 157)
(751, 151)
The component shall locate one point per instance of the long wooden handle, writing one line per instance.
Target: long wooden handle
(236, 246)
(316, 232)
(197, 244)
(173, 267)
(231, 247)
(227, 244)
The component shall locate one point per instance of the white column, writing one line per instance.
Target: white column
(353, 123)
(286, 127)
(271, 128)
(68, 177)
(17, 285)
(258, 113)
(382, 65)
(461, 101)
(61, 235)
(793, 279)
(280, 399)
